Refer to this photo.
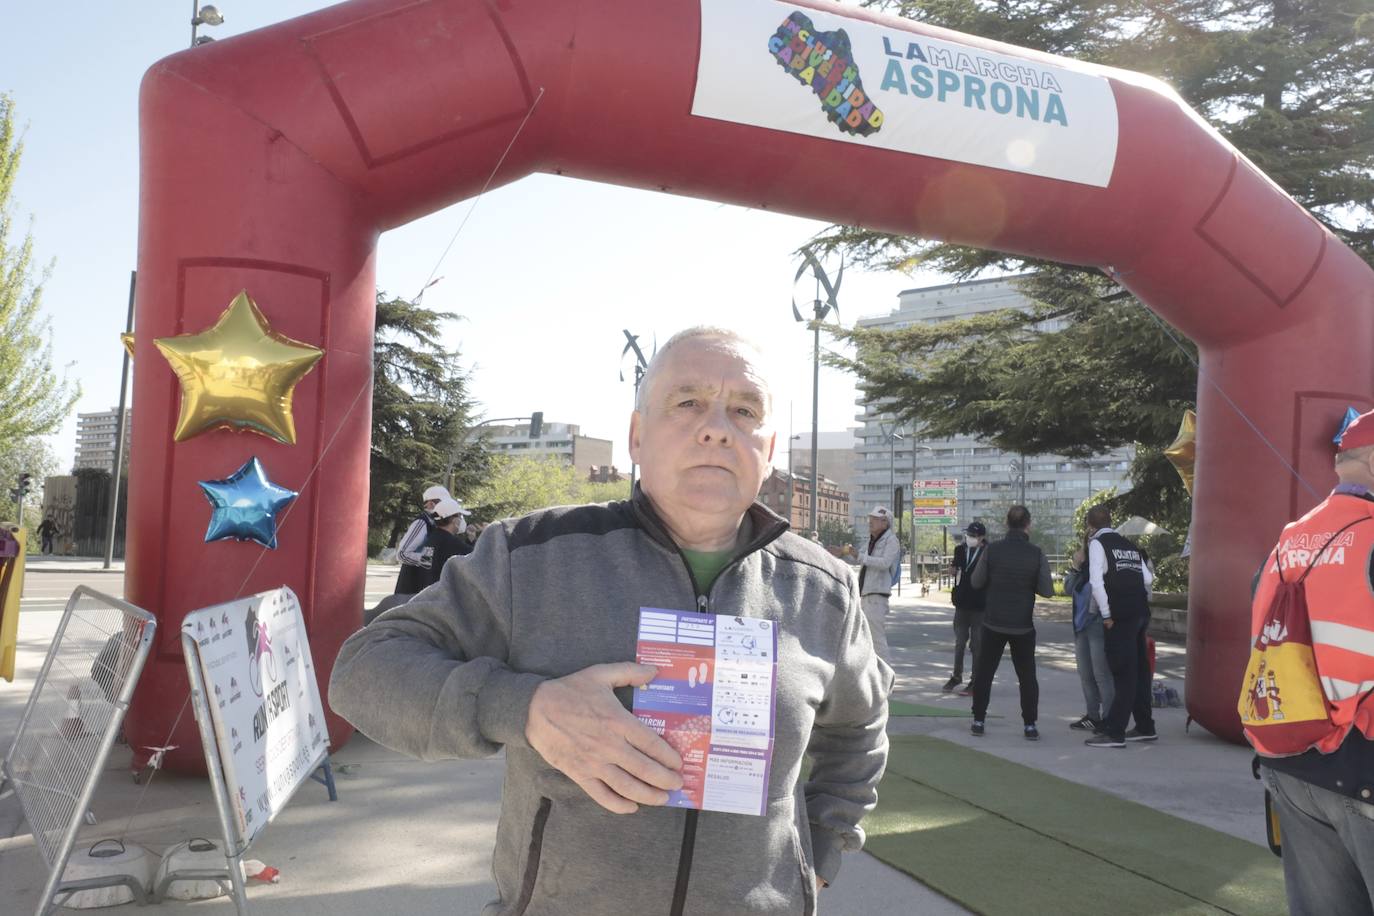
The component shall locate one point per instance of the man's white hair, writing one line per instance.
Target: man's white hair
(707, 332)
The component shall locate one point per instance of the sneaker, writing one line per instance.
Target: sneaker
(966, 692)
(1086, 724)
(952, 683)
(1100, 740)
(1136, 734)
(1032, 733)
(976, 729)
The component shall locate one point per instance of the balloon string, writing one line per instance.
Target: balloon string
(480, 193)
(1205, 376)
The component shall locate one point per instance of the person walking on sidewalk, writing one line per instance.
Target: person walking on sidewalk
(529, 644)
(877, 562)
(1120, 580)
(1324, 794)
(1014, 571)
(47, 531)
(1089, 646)
(968, 605)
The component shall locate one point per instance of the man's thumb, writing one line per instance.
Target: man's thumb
(625, 674)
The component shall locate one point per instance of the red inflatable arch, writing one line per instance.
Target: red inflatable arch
(272, 161)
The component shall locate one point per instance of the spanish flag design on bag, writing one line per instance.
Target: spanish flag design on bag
(1282, 704)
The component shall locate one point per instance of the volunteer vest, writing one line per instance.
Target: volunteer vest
(1340, 606)
(1124, 577)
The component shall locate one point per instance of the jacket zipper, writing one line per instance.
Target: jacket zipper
(703, 605)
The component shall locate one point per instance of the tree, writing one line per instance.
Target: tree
(836, 532)
(421, 415)
(33, 400)
(516, 486)
(25, 456)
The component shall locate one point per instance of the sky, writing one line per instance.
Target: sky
(545, 274)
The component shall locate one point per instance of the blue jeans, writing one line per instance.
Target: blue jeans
(1328, 848)
(1090, 651)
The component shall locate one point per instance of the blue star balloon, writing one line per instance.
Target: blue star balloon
(246, 505)
(1351, 414)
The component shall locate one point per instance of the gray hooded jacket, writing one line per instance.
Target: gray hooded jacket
(451, 674)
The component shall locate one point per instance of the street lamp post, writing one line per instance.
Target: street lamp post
(203, 15)
(120, 421)
(820, 308)
(453, 456)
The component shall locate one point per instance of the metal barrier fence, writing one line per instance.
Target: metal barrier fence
(71, 720)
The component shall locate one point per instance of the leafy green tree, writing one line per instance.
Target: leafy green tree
(517, 485)
(421, 416)
(31, 455)
(836, 532)
(33, 400)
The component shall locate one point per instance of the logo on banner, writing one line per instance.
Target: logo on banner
(824, 61)
(261, 660)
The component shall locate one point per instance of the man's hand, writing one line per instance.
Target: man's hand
(580, 728)
(1107, 622)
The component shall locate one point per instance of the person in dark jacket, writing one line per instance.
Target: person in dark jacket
(1014, 571)
(447, 539)
(1121, 579)
(968, 605)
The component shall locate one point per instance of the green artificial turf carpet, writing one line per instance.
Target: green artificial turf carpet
(1001, 838)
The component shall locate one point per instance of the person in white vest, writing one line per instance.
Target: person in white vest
(876, 564)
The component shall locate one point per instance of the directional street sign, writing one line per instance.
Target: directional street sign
(935, 502)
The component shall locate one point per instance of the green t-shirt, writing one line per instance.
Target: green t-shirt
(706, 565)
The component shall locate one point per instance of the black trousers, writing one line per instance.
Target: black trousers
(985, 668)
(1128, 657)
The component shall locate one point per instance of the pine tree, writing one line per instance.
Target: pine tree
(33, 400)
(421, 413)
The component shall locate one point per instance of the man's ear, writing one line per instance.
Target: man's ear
(635, 420)
(772, 447)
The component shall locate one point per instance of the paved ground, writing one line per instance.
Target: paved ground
(416, 838)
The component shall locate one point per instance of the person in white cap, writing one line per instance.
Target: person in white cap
(446, 540)
(414, 550)
(876, 563)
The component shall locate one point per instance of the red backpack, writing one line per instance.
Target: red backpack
(1282, 704)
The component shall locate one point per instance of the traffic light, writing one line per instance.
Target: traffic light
(536, 424)
(25, 485)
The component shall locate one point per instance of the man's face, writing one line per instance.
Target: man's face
(876, 525)
(702, 441)
(430, 504)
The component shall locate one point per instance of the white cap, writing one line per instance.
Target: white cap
(448, 507)
(436, 492)
(881, 512)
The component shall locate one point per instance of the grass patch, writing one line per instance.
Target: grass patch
(999, 837)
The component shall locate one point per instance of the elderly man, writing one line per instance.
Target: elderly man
(1322, 777)
(876, 564)
(524, 644)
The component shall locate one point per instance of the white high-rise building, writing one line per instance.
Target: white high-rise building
(990, 480)
(95, 438)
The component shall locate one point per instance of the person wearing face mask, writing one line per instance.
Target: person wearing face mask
(414, 551)
(448, 537)
(968, 606)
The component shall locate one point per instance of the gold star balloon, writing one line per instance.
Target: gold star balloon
(239, 374)
(1181, 452)
(127, 340)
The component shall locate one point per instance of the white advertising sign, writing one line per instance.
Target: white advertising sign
(822, 74)
(264, 702)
